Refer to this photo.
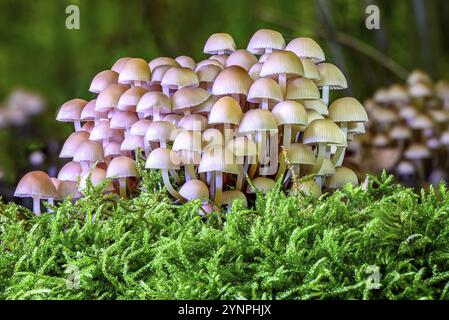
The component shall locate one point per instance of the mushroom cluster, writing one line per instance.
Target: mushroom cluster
(408, 133)
(208, 125)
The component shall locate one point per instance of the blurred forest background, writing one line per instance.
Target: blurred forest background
(38, 53)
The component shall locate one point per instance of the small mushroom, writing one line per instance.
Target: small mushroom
(122, 168)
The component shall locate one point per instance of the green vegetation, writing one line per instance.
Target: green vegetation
(287, 247)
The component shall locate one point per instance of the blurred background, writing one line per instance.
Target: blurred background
(43, 64)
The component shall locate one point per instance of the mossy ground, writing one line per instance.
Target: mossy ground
(284, 247)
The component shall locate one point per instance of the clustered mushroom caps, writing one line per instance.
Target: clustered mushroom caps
(207, 125)
(408, 133)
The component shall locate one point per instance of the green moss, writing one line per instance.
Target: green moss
(286, 247)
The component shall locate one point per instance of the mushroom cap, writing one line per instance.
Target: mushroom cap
(398, 93)
(72, 143)
(242, 58)
(123, 120)
(172, 118)
(444, 138)
(112, 149)
(208, 72)
(301, 89)
(242, 146)
(439, 116)
(135, 69)
(97, 177)
(256, 120)
(421, 122)
(180, 77)
(218, 159)
(109, 97)
(313, 115)
(418, 76)
(222, 58)
(225, 110)
(186, 62)
(119, 64)
(219, 43)
(71, 110)
(158, 74)
(417, 151)
(282, 62)
(341, 177)
(187, 98)
(228, 197)
(290, 112)
(264, 39)
(162, 61)
(232, 80)
(162, 158)
(433, 143)
(121, 167)
(310, 188)
(405, 168)
(380, 140)
(310, 69)
(254, 71)
(331, 77)
(130, 98)
(35, 184)
(188, 140)
(381, 96)
(140, 127)
(193, 122)
(154, 99)
(71, 171)
(356, 128)
(324, 131)
(400, 132)
(383, 115)
(194, 189)
(101, 131)
(420, 90)
(306, 48)
(132, 142)
(211, 137)
(206, 106)
(90, 151)
(265, 88)
(442, 89)
(160, 131)
(263, 184)
(347, 109)
(323, 167)
(189, 157)
(299, 153)
(102, 80)
(89, 113)
(317, 104)
(67, 188)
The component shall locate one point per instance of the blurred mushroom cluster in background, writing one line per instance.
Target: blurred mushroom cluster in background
(262, 112)
(408, 132)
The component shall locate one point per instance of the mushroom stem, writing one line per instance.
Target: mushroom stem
(175, 176)
(325, 94)
(264, 103)
(122, 185)
(338, 157)
(166, 90)
(156, 113)
(147, 147)
(287, 136)
(282, 168)
(37, 206)
(77, 125)
(240, 163)
(236, 96)
(283, 82)
(322, 151)
(51, 201)
(212, 183)
(85, 167)
(261, 140)
(168, 186)
(187, 112)
(218, 187)
(190, 172)
(320, 180)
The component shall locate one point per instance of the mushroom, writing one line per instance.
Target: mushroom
(302, 89)
(309, 188)
(289, 114)
(207, 71)
(132, 143)
(108, 99)
(322, 168)
(101, 132)
(122, 168)
(418, 152)
(266, 41)
(135, 72)
(119, 64)
(102, 80)
(245, 152)
(161, 132)
(341, 177)
(72, 143)
(265, 91)
(97, 176)
(331, 78)
(227, 112)
(242, 58)
(222, 58)
(178, 77)
(189, 141)
(123, 120)
(154, 103)
(36, 185)
(162, 62)
(194, 189)
(230, 196)
(186, 62)
(254, 71)
(130, 98)
(87, 154)
(262, 184)
(89, 113)
(71, 112)
(310, 69)
(297, 154)
(306, 48)
(186, 99)
(219, 43)
(233, 81)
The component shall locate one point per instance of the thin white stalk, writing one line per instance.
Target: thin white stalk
(37, 206)
(287, 136)
(77, 125)
(169, 186)
(218, 187)
(264, 103)
(283, 82)
(122, 184)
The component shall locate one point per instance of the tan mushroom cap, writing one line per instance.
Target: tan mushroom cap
(254, 71)
(241, 147)
(211, 138)
(208, 72)
(417, 151)
(310, 69)
(317, 104)
(70, 172)
(219, 43)
(400, 132)
(341, 177)
(356, 128)
(89, 113)
(420, 90)
(398, 93)
(71, 110)
(301, 89)
(109, 97)
(135, 69)
(290, 112)
(160, 131)
(383, 115)
(180, 77)
(72, 143)
(310, 188)
(193, 122)
(298, 153)
(421, 122)
(186, 62)
(280, 62)
(258, 120)
(140, 127)
(153, 99)
(225, 110)
(222, 58)
(306, 48)
(331, 77)
(347, 109)
(132, 142)
(188, 140)
(381, 96)
(102, 80)
(218, 159)
(162, 61)
(323, 167)
(439, 116)
(194, 189)
(418, 76)
(313, 115)
(119, 64)
(101, 131)
(188, 98)
(263, 184)
(130, 98)
(123, 120)
(121, 167)
(324, 131)
(265, 39)
(380, 140)
(229, 196)
(89, 151)
(206, 106)
(35, 184)
(433, 143)
(232, 80)
(158, 74)
(444, 138)
(67, 189)
(265, 88)
(405, 168)
(162, 158)
(97, 176)
(242, 58)
(112, 149)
